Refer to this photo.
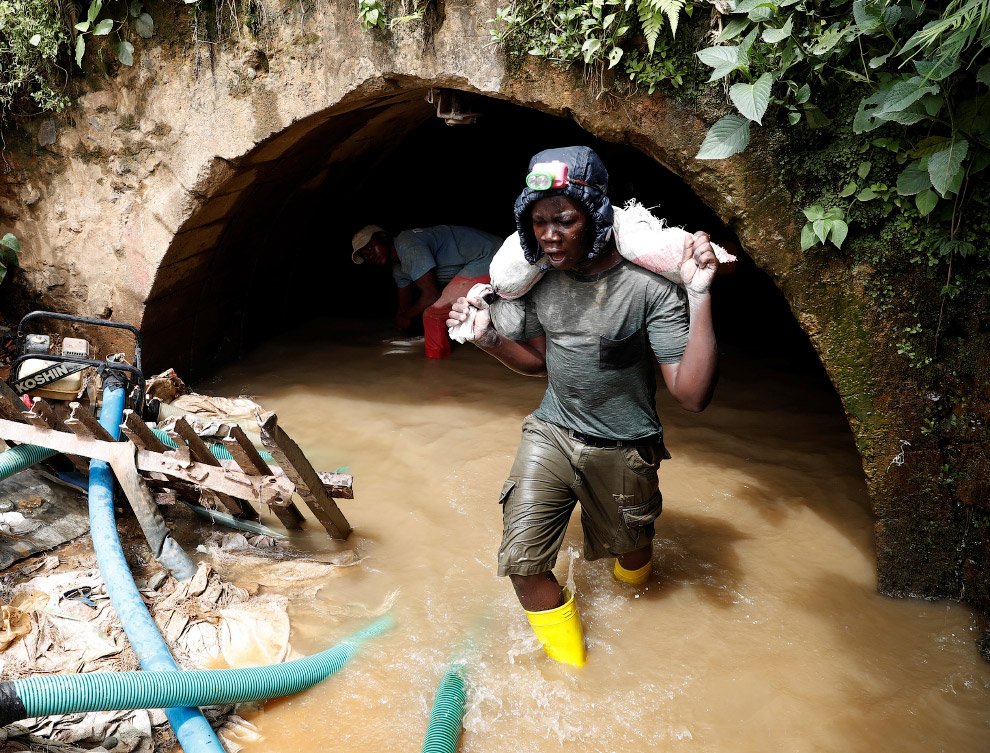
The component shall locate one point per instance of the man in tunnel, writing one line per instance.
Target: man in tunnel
(589, 324)
(432, 267)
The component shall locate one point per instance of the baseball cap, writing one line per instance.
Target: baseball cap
(361, 239)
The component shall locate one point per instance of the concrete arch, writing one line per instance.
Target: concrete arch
(129, 209)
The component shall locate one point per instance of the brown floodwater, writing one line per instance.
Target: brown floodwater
(761, 629)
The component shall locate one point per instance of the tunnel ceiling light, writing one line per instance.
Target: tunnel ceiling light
(450, 107)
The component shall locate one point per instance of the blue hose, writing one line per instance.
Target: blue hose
(191, 727)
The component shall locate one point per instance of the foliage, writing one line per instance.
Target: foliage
(38, 38)
(144, 25)
(371, 14)
(9, 249)
(919, 68)
(32, 37)
(598, 34)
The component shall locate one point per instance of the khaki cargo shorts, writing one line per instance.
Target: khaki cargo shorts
(616, 486)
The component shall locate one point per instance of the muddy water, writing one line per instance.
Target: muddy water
(760, 631)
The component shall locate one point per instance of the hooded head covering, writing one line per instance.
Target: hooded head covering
(587, 183)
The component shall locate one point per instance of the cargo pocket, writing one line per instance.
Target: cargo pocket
(637, 524)
(644, 459)
(621, 354)
(507, 488)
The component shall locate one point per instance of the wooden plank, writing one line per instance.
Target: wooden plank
(269, 490)
(84, 423)
(249, 460)
(44, 415)
(338, 485)
(308, 485)
(11, 409)
(139, 433)
(201, 453)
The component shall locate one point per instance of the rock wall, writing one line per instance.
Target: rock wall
(130, 205)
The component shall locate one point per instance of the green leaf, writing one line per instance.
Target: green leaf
(748, 6)
(80, 49)
(936, 70)
(793, 118)
(82, 26)
(926, 201)
(979, 161)
(866, 15)
(913, 180)
(879, 60)
(136, 6)
(932, 103)
(773, 35)
(724, 60)
(814, 212)
(651, 21)
(943, 165)
(905, 93)
(728, 136)
(35, 40)
(733, 29)
(828, 40)
(927, 147)
(839, 232)
(867, 194)
(589, 48)
(983, 74)
(816, 118)
(145, 25)
(807, 237)
(803, 95)
(849, 190)
(104, 27)
(9, 241)
(752, 99)
(125, 53)
(864, 169)
(94, 10)
(821, 228)
(891, 16)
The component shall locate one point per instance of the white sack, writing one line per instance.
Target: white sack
(464, 332)
(512, 276)
(645, 241)
(641, 238)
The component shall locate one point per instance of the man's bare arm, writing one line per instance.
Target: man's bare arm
(527, 357)
(692, 380)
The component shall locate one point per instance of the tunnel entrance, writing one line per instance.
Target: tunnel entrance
(271, 248)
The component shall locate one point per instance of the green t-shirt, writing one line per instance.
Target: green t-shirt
(599, 330)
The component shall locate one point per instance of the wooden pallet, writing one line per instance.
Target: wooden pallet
(141, 462)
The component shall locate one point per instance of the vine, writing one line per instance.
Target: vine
(598, 34)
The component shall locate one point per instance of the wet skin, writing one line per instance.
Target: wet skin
(379, 251)
(566, 235)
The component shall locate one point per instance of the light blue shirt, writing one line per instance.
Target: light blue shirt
(449, 250)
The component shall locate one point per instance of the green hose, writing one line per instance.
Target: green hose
(108, 691)
(444, 730)
(218, 450)
(22, 457)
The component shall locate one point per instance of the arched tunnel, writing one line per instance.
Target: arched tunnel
(270, 248)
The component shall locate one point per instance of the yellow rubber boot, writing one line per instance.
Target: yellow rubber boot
(633, 577)
(559, 630)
